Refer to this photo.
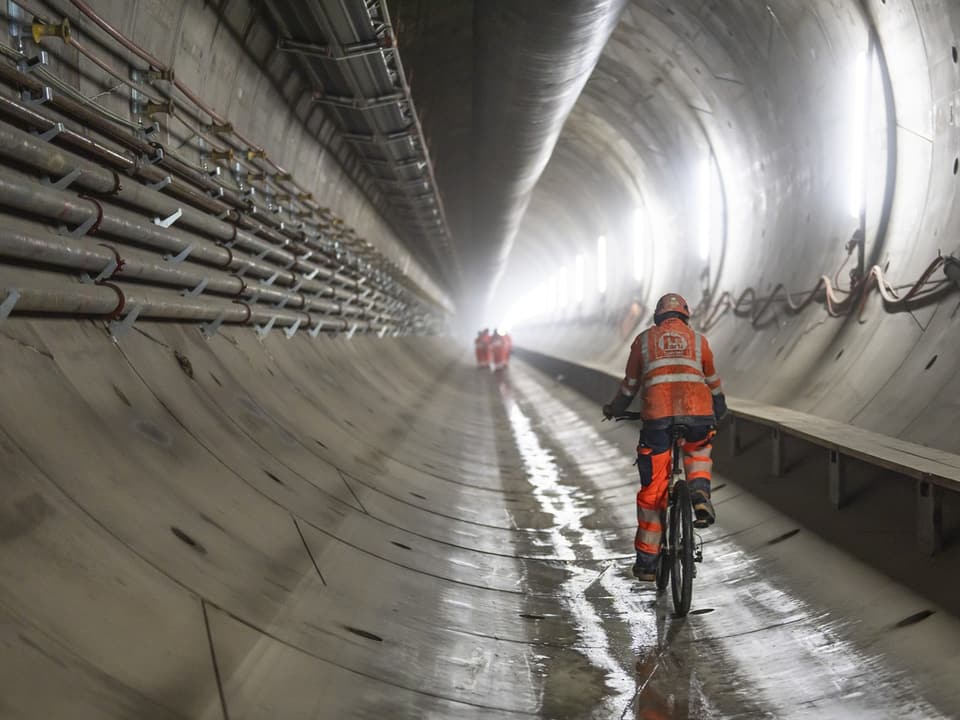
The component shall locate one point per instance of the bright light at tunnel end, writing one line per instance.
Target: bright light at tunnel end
(578, 279)
(601, 264)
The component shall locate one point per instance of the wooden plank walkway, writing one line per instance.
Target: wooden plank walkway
(933, 470)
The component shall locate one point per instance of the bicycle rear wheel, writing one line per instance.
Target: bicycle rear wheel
(664, 561)
(681, 543)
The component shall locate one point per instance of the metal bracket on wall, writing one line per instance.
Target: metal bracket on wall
(263, 330)
(28, 65)
(44, 96)
(168, 221)
(199, 288)
(210, 329)
(160, 184)
(292, 330)
(181, 256)
(119, 328)
(80, 230)
(6, 307)
(110, 268)
(50, 133)
(15, 13)
(64, 182)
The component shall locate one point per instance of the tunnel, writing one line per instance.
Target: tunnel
(250, 464)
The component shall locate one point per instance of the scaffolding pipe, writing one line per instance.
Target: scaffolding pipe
(27, 149)
(28, 241)
(22, 193)
(43, 292)
(156, 174)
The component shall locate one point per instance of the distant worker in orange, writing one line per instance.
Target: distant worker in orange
(499, 351)
(481, 346)
(671, 366)
(509, 341)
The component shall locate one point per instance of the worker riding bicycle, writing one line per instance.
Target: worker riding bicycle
(671, 366)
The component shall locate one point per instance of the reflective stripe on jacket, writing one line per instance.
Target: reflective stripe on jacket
(671, 366)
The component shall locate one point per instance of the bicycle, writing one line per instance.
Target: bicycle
(680, 547)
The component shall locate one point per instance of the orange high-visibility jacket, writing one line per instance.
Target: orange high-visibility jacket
(482, 348)
(671, 366)
(498, 350)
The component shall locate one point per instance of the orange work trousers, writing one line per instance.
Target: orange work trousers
(655, 466)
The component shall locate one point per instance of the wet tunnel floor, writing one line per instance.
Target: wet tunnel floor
(371, 529)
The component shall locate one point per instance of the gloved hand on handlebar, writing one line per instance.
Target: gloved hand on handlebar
(617, 406)
(719, 406)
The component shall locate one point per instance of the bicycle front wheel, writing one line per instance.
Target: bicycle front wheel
(681, 543)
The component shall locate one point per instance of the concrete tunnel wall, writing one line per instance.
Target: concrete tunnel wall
(768, 89)
(335, 528)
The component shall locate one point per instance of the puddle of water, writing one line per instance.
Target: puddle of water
(568, 505)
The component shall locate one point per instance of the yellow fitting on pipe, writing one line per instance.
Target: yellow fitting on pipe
(282, 197)
(283, 177)
(42, 30)
(153, 108)
(253, 154)
(255, 177)
(304, 196)
(154, 74)
(226, 155)
(224, 129)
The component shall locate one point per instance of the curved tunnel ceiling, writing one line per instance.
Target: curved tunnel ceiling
(768, 93)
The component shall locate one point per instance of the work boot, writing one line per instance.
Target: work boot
(702, 509)
(645, 568)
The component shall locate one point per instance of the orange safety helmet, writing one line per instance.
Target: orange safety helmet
(671, 303)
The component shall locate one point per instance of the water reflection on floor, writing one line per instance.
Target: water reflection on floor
(750, 648)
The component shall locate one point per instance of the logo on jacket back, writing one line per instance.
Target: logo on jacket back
(672, 344)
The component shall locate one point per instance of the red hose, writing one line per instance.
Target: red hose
(747, 303)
